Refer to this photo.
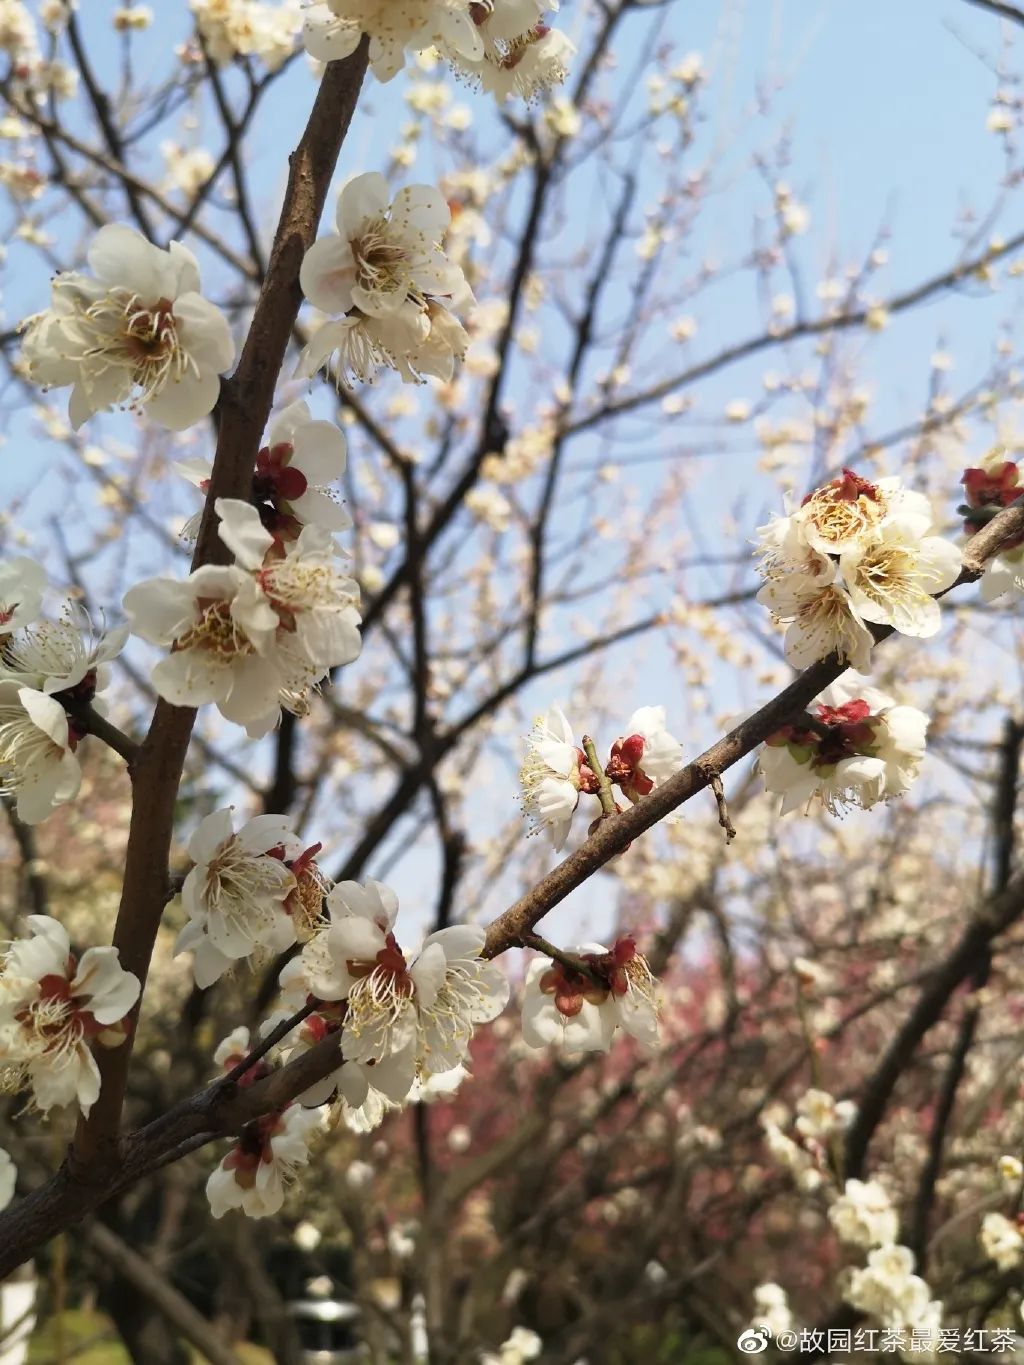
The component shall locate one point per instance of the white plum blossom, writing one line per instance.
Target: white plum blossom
(520, 1348)
(236, 894)
(501, 44)
(1001, 1241)
(429, 1008)
(385, 273)
(256, 635)
(53, 1006)
(212, 658)
(291, 485)
(990, 487)
(646, 755)
(62, 656)
(803, 1161)
(8, 1178)
(248, 28)
(852, 555)
(771, 1309)
(802, 590)
(553, 773)
(849, 509)
(854, 747)
(256, 1172)
(579, 1010)
(892, 578)
(38, 766)
(819, 1116)
(139, 334)
(22, 585)
(863, 1215)
(888, 1291)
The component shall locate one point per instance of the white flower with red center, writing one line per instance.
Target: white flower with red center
(431, 1007)
(139, 334)
(54, 1006)
(236, 894)
(802, 591)
(646, 755)
(292, 478)
(66, 656)
(22, 585)
(255, 1174)
(38, 766)
(212, 657)
(385, 272)
(849, 509)
(553, 774)
(854, 747)
(892, 576)
(526, 65)
(991, 487)
(8, 1178)
(579, 1008)
(303, 597)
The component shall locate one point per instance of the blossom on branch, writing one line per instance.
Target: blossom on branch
(66, 657)
(579, 1010)
(237, 892)
(53, 1006)
(38, 766)
(646, 755)
(553, 773)
(863, 1215)
(291, 482)
(256, 1172)
(502, 44)
(386, 274)
(138, 335)
(854, 747)
(854, 554)
(989, 488)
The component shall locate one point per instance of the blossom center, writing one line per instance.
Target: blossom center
(216, 631)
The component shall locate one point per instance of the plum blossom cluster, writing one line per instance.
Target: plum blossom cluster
(854, 554)
(403, 1028)
(504, 46)
(385, 279)
(556, 771)
(853, 748)
(48, 670)
(887, 1289)
(248, 28)
(137, 334)
(259, 634)
(54, 1008)
(800, 1143)
(578, 1002)
(988, 488)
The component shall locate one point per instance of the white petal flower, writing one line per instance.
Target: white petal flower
(892, 576)
(138, 334)
(646, 755)
(849, 509)
(527, 66)
(256, 1172)
(37, 752)
(552, 775)
(63, 656)
(22, 584)
(573, 1010)
(53, 1005)
(237, 892)
(1001, 1241)
(864, 1216)
(856, 748)
(386, 272)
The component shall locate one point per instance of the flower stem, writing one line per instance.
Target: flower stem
(604, 787)
(570, 961)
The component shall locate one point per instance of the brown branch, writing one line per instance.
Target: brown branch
(242, 413)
